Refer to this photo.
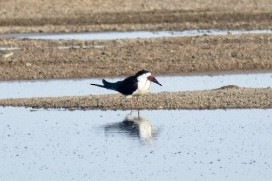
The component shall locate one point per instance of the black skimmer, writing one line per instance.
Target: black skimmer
(137, 84)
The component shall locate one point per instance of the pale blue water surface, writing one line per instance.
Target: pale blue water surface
(77, 87)
(162, 145)
(130, 35)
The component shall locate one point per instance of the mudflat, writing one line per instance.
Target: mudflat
(116, 15)
(41, 59)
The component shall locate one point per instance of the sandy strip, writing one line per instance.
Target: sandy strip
(224, 98)
(102, 15)
(39, 60)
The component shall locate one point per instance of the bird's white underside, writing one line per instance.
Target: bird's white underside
(143, 84)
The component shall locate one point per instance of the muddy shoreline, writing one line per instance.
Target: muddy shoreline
(40, 59)
(223, 98)
(111, 15)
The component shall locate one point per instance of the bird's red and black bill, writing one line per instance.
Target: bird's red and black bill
(153, 79)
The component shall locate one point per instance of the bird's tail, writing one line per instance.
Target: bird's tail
(106, 85)
(99, 85)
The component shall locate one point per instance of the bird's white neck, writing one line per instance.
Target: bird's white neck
(143, 84)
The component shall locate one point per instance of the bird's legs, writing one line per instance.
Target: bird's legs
(133, 103)
(129, 97)
(137, 102)
(138, 107)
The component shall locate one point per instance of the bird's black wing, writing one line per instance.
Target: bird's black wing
(127, 86)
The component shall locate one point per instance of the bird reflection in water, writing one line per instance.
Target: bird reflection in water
(134, 126)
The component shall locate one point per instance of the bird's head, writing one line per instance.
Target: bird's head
(146, 75)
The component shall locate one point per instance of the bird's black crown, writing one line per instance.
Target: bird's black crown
(141, 72)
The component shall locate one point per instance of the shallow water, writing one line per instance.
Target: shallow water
(130, 35)
(163, 145)
(54, 88)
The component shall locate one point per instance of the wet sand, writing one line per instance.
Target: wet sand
(228, 97)
(115, 15)
(40, 59)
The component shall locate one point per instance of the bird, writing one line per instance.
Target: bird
(6, 53)
(137, 84)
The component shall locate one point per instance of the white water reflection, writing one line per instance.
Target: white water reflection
(133, 126)
(130, 35)
(55, 88)
(191, 145)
